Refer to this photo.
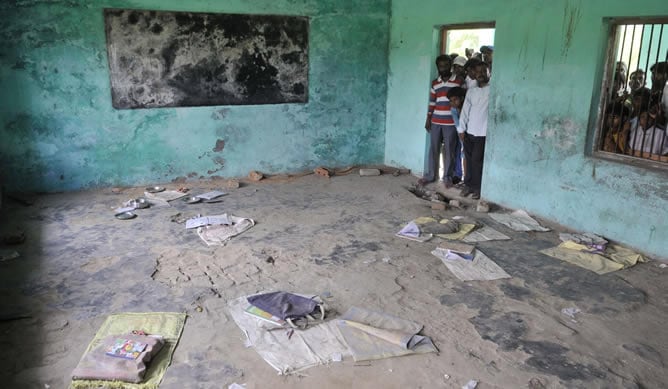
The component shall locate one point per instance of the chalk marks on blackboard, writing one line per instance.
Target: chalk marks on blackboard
(175, 59)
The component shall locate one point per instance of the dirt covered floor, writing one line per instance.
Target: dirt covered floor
(333, 237)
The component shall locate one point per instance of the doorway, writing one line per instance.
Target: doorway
(465, 40)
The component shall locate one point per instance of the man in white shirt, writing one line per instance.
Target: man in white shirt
(646, 139)
(470, 80)
(472, 130)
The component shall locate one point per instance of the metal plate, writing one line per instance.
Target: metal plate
(140, 203)
(126, 215)
(192, 200)
(155, 189)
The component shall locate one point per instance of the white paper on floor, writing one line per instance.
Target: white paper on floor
(484, 234)
(317, 345)
(412, 231)
(161, 199)
(518, 221)
(213, 220)
(374, 335)
(211, 195)
(481, 268)
(218, 235)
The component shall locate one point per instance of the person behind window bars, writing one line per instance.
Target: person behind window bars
(616, 116)
(639, 103)
(636, 85)
(659, 91)
(648, 139)
(637, 80)
(619, 90)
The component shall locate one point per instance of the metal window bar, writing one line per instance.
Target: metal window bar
(630, 137)
(657, 106)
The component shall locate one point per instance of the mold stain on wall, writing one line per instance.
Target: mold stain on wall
(572, 16)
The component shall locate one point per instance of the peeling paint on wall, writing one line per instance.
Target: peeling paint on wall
(220, 145)
(572, 16)
(560, 133)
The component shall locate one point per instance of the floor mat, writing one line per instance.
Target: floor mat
(374, 335)
(615, 257)
(168, 324)
(518, 221)
(314, 346)
(481, 268)
(484, 234)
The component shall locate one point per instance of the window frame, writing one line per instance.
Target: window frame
(463, 26)
(601, 100)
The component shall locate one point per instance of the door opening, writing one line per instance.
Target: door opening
(465, 40)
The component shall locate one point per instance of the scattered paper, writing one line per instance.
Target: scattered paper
(412, 231)
(124, 209)
(457, 256)
(518, 221)
(484, 234)
(218, 235)
(211, 195)
(481, 268)
(457, 247)
(237, 386)
(570, 312)
(208, 221)
(166, 196)
(470, 385)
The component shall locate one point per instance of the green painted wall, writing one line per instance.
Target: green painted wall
(59, 131)
(545, 83)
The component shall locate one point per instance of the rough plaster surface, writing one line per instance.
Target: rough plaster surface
(60, 132)
(333, 237)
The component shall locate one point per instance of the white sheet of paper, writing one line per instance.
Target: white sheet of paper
(208, 221)
(411, 230)
(211, 195)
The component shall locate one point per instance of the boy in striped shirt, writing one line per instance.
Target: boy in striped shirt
(440, 124)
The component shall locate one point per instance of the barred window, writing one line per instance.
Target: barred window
(634, 107)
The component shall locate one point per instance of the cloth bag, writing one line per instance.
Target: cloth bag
(98, 365)
(285, 305)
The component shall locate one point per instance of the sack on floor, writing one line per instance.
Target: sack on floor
(297, 310)
(119, 358)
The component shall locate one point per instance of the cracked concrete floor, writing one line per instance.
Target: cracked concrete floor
(79, 264)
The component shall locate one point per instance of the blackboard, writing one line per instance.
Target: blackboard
(177, 59)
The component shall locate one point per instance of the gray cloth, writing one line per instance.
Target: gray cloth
(284, 305)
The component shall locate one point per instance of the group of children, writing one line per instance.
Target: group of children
(457, 118)
(636, 117)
